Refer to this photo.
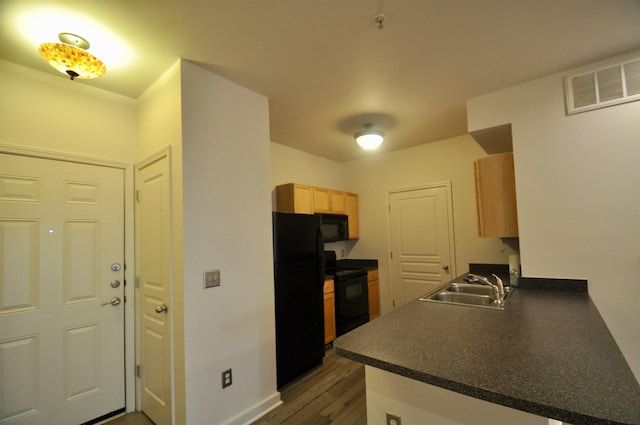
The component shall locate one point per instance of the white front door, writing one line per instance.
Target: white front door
(421, 237)
(153, 268)
(61, 259)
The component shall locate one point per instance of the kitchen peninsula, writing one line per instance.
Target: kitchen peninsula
(548, 353)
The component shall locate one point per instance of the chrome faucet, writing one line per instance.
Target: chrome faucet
(498, 287)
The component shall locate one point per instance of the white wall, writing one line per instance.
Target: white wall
(43, 111)
(159, 117)
(290, 165)
(227, 226)
(446, 160)
(578, 202)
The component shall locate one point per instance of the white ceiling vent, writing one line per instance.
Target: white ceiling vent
(602, 87)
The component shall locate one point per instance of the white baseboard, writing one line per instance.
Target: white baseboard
(256, 411)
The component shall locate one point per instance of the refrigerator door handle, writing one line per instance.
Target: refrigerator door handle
(320, 245)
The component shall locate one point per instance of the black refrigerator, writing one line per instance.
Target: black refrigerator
(298, 252)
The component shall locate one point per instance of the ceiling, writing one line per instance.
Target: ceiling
(324, 65)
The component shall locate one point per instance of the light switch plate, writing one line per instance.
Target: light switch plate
(211, 278)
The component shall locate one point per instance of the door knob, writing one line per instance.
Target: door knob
(445, 267)
(114, 301)
(162, 308)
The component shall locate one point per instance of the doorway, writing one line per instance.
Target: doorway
(422, 248)
(62, 313)
(154, 283)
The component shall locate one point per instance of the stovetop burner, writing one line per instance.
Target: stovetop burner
(331, 267)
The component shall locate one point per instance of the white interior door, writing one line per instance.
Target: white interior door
(421, 237)
(153, 268)
(61, 350)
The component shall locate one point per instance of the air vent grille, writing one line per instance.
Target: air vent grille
(599, 88)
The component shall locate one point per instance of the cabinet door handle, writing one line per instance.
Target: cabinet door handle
(445, 267)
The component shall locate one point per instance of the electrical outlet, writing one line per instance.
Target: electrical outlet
(211, 278)
(393, 419)
(227, 378)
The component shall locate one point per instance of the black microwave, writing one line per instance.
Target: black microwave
(334, 227)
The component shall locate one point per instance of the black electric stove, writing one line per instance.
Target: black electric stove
(351, 292)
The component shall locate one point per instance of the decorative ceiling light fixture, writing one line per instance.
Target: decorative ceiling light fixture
(71, 57)
(369, 139)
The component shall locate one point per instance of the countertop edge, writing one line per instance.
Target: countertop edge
(479, 393)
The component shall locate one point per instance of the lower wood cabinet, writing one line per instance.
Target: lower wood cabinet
(374, 294)
(329, 312)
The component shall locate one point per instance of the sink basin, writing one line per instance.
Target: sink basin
(462, 298)
(469, 288)
(468, 294)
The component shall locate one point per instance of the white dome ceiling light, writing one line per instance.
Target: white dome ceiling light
(369, 139)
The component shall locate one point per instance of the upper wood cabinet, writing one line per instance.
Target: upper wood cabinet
(351, 208)
(328, 201)
(302, 199)
(496, 196)
(294, 198)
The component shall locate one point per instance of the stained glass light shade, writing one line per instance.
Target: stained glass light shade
(73, 61)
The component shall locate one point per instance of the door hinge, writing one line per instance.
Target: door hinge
(389, 205)
(391, 254)
(137, 281)
(137, 196)
(138, 371)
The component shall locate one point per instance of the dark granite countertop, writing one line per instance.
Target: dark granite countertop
(352, 262)
(548, 353)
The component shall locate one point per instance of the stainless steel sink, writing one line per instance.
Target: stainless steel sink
(462, 298)
(470, 288)
(468, 294)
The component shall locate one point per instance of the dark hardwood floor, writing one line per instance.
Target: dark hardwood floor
(333, 393)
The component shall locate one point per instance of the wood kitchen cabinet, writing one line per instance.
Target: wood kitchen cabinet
(303, 199)
(496, 196)
(351, 209)
(329, 312)
(374, 294)
(328, 201)
(294, 198)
